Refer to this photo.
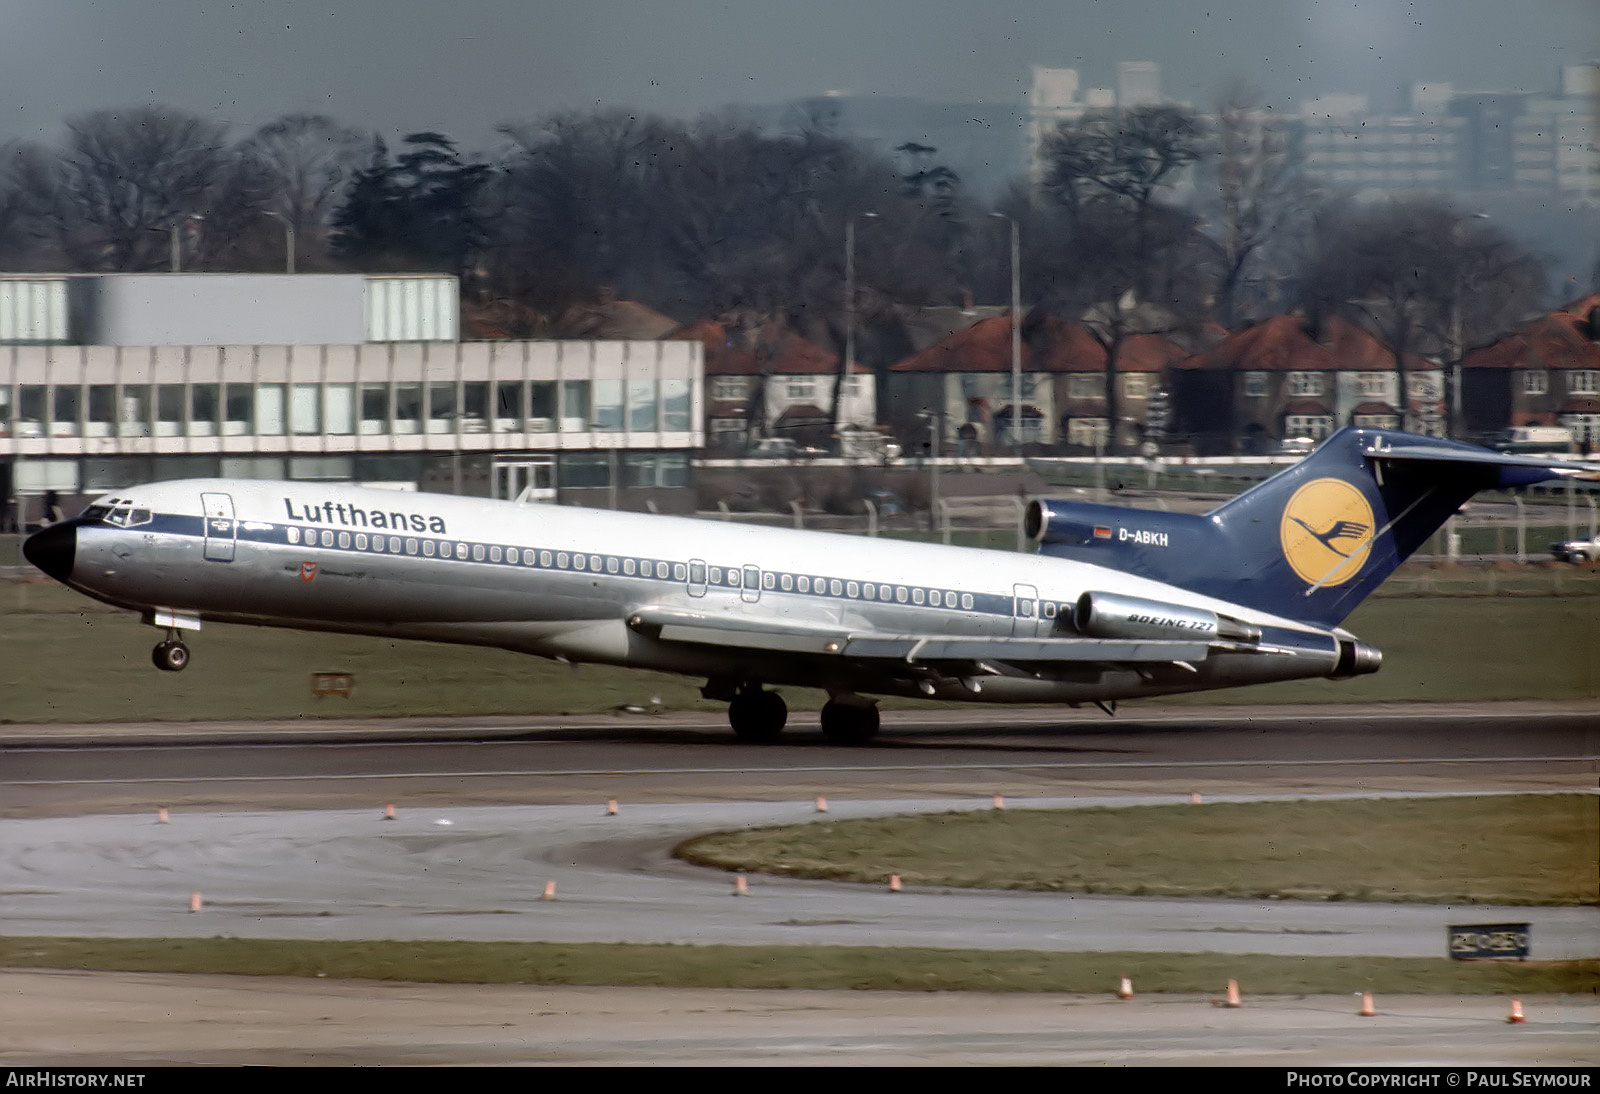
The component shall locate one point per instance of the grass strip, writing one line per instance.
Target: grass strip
(1435, 648)
(1523, 849)
(797, 967)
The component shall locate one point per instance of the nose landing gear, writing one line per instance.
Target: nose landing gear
(171, 655)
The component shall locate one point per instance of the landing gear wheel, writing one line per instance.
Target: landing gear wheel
(170, 656)
(848, 723)
(758, 716)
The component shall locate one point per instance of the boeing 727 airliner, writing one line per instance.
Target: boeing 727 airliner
(1117, 604)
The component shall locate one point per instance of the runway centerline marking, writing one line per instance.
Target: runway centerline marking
(831, 769)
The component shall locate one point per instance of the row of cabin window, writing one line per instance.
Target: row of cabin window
(715, 575)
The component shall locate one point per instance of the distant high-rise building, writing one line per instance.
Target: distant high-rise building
(1474, 141)
(1138, 83)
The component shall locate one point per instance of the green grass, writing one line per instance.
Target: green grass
(64, 658)
(797, 967)
(1497, 849)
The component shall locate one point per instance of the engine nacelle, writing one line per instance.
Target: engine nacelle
(1112, 615)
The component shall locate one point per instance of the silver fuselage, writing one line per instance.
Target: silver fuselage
(573, 584)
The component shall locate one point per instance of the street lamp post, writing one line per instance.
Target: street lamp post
(1458, 351)
(849, 306)
(288, 238)
(1016, 333)
(175, 240)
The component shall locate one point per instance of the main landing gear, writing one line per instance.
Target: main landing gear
(847, 722)
(171, 655)
(757, 716)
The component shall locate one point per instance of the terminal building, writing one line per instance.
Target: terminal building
(107, 380)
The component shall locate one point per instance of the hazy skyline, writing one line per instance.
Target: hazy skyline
(398, 67)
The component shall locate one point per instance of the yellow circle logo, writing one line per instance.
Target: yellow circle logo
(1327, 532)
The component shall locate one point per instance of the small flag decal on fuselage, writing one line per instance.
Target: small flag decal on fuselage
(1101, 532)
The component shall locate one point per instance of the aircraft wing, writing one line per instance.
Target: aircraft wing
(704, 630)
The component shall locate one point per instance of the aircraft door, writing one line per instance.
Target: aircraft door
(697, 577)
(750, 590)
(220, 528)
(1024, 611)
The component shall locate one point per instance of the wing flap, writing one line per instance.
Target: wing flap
(909, 648)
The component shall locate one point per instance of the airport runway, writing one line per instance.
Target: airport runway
(280, 828)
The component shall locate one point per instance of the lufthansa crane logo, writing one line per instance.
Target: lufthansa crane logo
(1327, 532)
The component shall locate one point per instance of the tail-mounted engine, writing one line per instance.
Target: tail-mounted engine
(1112, 615)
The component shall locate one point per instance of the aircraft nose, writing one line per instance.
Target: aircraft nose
(53, 550)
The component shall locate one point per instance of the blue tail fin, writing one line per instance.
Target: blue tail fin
(1311, 542)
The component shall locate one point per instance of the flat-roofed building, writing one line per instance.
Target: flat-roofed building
(596, 422)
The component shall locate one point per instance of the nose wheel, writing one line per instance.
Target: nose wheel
(170, 656)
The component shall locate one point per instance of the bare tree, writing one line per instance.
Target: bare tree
(126, 183)
(297, 168)
(1425, 279)
(1121, 260)
(1252, 192)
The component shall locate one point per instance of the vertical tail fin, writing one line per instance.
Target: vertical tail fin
(1311, 542)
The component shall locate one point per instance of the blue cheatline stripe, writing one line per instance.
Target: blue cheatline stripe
(344, 539)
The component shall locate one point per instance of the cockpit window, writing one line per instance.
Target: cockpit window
(122, 514)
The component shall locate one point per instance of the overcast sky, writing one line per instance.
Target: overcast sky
(462, 66)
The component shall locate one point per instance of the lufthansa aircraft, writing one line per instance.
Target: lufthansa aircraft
(1118, 603)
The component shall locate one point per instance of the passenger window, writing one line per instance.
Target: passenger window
(627, 566)
(787, 582)
(594, 563)
(477, 552)
(394, 545)
(900, 593)
(561, 560)
(544, 558)
(966, 601)
(869, 590)
(293, 534)
(835, 586)
(361, 541)
(917, 596)
(679, 571)
(344, 539)
(805, 584)
(936, 598)
(411, 547)
(461, 550)
(579, 562)
(429, 547)
(767, 582)
(611, 564)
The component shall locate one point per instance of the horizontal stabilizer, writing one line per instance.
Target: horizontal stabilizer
(1514, 470)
